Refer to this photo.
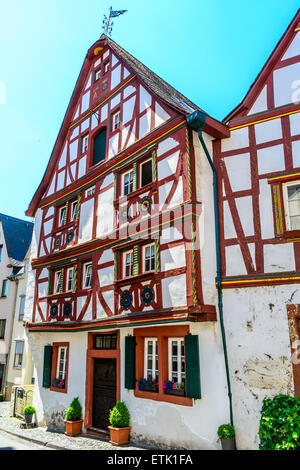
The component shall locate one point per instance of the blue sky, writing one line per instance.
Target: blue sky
(210, 51)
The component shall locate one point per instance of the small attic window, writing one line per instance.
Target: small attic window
(97, 74)
(106, 66)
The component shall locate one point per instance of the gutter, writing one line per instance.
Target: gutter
(196, 121)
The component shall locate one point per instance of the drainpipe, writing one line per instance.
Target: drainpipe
(196, 121)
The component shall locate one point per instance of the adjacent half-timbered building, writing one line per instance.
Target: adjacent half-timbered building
(122, 299)
(259, 206)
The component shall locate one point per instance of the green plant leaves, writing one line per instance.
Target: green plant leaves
(280, 423)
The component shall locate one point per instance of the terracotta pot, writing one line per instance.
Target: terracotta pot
(73, 427)
(119, 436)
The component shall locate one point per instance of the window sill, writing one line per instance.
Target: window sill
(60, 295)
(291, 234)
(74, 223)
(135, 193)
(161, 396)
(59, 390)
(138, 277)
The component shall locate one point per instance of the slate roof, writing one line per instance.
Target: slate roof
(17, 234)
(156, 83)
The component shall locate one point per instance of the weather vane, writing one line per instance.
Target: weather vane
(108, 23)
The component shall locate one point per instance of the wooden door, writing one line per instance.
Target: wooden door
(104, 391)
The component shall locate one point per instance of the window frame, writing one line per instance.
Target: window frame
(73, 203)
(55, 273)
(141, 172)
(179, 357)
(2, 328)
(55, 366)
(22, 306)
(114, 114)
(20, 362)
(84, 143)
(104, 65)
(59, 219)
(144, 247)
(70, 269)
(4, 288)
(154, 358)
(96, 71)
(131, 171)
(1, 252)
(84, 269)
(124, 265)
(287, 216)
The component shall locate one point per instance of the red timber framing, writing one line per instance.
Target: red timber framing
(151, 129)
(246, 231)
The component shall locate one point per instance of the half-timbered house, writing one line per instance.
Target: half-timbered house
(122, 299)
(259, 208)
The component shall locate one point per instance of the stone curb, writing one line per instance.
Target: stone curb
(33, 440)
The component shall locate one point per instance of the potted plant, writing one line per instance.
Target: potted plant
(226, 433)
(73, 418)
(119, 419)
(174, 388)
(29, 411)
(148, 385)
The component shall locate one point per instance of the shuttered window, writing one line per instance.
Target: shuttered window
(130, 362)
(99, 149)
(192, 367)
(47, 366)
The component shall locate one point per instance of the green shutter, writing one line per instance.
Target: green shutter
(47, 366)
(99, 150)
(130, 362)
(192, 366)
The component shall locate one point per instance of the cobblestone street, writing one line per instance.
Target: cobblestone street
(55, 440)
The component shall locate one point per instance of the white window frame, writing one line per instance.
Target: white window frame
(70, 278)
(116, 120)
(19, 366)
(57, 280)
(141, 171)
(124, 263)
(180, 375)
(62, 219)
(144, 258)
(98, 74)
(106, 66)
(74, 206)
(85, 277)
(130, 182)
(84, 143)
(285, 187)
(154, 357)
(62, 362)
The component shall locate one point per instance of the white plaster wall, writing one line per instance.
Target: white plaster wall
(184, 427)
(285, 84)
(259, 352)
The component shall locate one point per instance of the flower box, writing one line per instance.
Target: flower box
(178, 393)
(148, 385)
(57, 383)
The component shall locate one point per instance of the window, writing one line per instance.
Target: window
(89, 192)
(149, 257)
(57, 282)
(70, 279)
(21, 308)
(1, 251)
(84, 143)
(97, 74)
(59, 367)
(87, 276)
(128, 183)
(2, 328)
(293, 206)
(115, 122)
(176, 360)
(62, 216)
(128, 264)
(106, 66)
(18, 354)
(74, 208)
(99, 148)
(146, 173)
(105, 341)
(4, 288)
(151, 359)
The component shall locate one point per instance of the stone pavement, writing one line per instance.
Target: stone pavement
(54, 439)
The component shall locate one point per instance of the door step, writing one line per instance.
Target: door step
(103, 433)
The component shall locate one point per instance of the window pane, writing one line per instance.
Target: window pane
(146, 173)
